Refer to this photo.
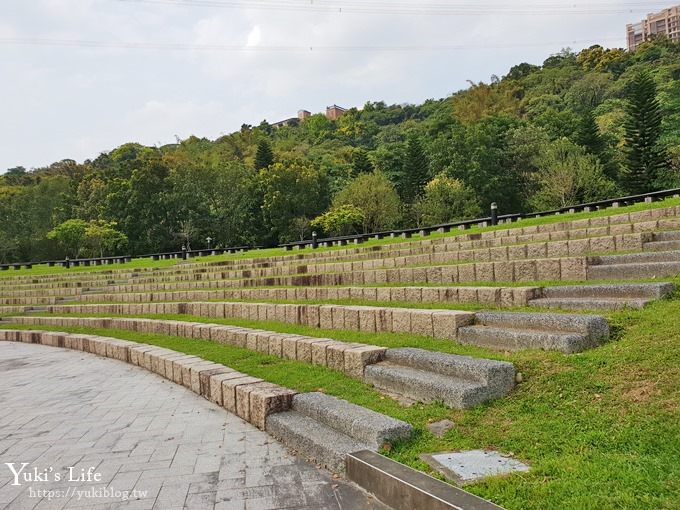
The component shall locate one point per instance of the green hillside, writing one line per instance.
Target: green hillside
(580, 127)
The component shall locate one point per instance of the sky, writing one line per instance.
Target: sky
(81, 77)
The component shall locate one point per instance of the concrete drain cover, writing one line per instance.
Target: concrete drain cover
(473, 465)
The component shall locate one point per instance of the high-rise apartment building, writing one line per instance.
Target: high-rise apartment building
(665, 22)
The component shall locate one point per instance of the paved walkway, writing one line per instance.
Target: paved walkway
(97, 433)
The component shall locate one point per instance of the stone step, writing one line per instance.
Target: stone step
(671, 235)
(616, 291)
(425, 386)
(510, 339)
(661, 245)
(362, 424)
(635, 258)
(631, 271)
(458, 381)
(316, 441)
(593, 326)
(594, 303)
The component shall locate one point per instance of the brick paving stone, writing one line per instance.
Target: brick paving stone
(141, 433)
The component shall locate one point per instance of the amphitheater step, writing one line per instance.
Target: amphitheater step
(661, 245)
(584, 303)
(671, 235)
(633, 270)
(326, 428)
(514, 331)
(517, 339)
(603, 297)
(457, 381)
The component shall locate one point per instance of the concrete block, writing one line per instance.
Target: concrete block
(205, 379)
(289, 346)
(358, 357)
(466, 273)
(525, 270)
(449, 274)
(467, 294)
(229, 386)
(216, 385)
(421, 322)
(195, 371)
(573, 268)
(548, 269)
(445, 323)
(558, 249)
(383, 320)
(318, 351)
(578, 247)
(489, 295)
(276, 345)
(351, 318)
(484, 272)
(367, 319)
(401, 320)
(265, 399)
(326, 317)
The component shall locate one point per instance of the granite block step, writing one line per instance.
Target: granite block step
(424, 386)
(506, 339)
(318, 442)
(603, 297)
(671, 235)
(355, 421)
(618, 291)
(595, 303)
(635, 258)
(629, 271)
(513, 331)
(325, 428)
(458, 381)
(661, 245)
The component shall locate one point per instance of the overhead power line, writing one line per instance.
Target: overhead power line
(283, 48)
(415, 8)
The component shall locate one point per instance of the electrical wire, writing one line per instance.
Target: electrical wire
(284, 48)
(431, 9)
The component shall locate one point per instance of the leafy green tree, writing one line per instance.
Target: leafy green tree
(377, 199)
(567, 175)
(291, 190)
(342, 220)
(102, 236)
(445, 200)
(645, 158)
(71, 235)
(264, 155)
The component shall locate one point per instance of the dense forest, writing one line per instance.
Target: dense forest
(582, 126)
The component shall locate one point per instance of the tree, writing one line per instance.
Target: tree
(377, 199)
(102, 236)
(291, 190)
(567, 175)
(71, 235)
(264, 155)
(445, 200)
(340, 221)
(645, 158)
(360, 163)
(416, 170)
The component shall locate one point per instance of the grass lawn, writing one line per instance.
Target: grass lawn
(600, 429)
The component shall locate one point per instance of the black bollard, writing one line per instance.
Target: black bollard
(494, 213)
(314, 241)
